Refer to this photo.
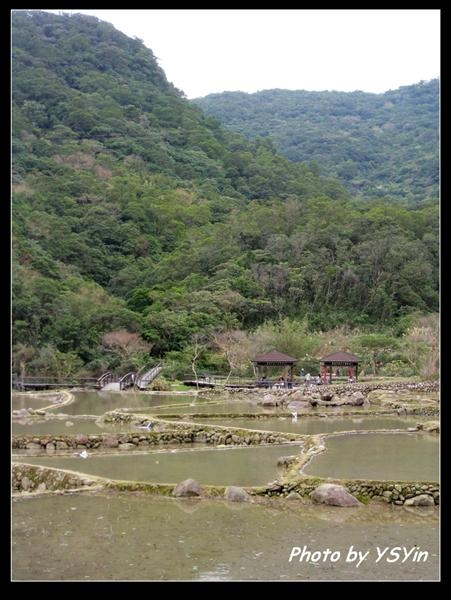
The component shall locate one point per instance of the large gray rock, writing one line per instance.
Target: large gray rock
(236, 494)
(358, 398)
(25, 484)
(127, 446)
(111, 442)
(421, 500)
(334, 495)
(187, 488)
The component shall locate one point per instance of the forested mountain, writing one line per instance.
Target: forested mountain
(139, 222)
(376, 144)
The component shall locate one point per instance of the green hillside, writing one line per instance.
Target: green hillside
(139, 222)
(376, 144)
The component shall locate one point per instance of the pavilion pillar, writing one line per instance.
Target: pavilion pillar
(356, 371)
(330, 373)
(324, 374)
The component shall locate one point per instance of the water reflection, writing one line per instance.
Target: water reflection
(137, 537)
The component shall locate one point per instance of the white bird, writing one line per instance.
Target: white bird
(84, 454)
(148, 426)
(295, 416)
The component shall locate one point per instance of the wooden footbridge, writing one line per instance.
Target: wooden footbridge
(109, 381)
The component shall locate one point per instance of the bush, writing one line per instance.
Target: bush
(160, 385)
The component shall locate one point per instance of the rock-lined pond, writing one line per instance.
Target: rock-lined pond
(312, 425)
(219, 466)
(398, 456)
(135, 537)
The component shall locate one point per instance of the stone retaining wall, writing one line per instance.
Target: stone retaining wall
(345, 388)
(393, 492)
(171, 433)
(34, 478)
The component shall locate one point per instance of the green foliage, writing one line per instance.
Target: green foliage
(134, 211)
(376, 144)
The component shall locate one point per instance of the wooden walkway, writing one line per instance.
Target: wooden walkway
(107, 381)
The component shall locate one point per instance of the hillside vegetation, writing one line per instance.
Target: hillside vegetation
(141, 225)
(376, 144)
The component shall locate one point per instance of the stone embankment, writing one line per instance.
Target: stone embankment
(356, 394)
(34, 478)
(165, 432)
(391, 492)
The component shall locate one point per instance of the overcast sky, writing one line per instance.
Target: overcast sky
(206, 51)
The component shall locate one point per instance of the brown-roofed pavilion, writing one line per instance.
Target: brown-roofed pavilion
(340, 359)
(274, 359)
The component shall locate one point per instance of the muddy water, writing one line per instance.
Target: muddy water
(231, 407)
(312, 426)
(28, 401)
(97, 403)
(133, 537)
(401, 456)
(231, 466)
(59, 427)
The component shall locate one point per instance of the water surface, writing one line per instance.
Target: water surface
(311, 425)
(138, 537)
(28, 401)
(397, 456)
(97, 403)
(60, 427)
(231, 466)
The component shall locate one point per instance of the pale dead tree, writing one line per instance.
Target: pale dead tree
(199, 343)
(124, 343)
(236, 348)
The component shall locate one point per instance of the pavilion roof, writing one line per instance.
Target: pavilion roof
(340, 357)
(274, 358)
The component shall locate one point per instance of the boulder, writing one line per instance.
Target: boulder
(326, 396)
(236, 494)
(111, 442)
(187, 488)
(33, 446)
(284, 461)
(421, 500)
(25, 484)
(358, 398)
(127, 446)
(81, 439)
(334, 495)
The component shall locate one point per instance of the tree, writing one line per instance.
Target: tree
(376, 348)
(199, 342)
(236, 347)
(128, 346)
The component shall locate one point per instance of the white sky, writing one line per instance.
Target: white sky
(205, 51)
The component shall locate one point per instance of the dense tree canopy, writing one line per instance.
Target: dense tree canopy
(136, 215)
(376, 144)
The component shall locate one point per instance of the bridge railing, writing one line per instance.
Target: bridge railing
(44, 381)
(104, 379)
(127, 380)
